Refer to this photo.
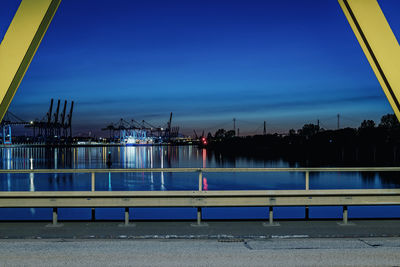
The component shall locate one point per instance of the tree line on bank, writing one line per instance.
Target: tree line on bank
(367, 145)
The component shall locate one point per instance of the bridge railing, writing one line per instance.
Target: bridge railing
(200, 198)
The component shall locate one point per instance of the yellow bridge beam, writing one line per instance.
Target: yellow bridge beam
(20, 43)
(378, 43)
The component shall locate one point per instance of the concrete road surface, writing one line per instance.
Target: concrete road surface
(224, 252)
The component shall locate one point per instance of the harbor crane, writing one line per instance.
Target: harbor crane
(5, 125)
(52, 130)
(123, 129)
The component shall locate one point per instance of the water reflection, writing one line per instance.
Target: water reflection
(31, 182)
(151, 166)
(204, 154)
(109, 182)
(162, 166)
(163, 157)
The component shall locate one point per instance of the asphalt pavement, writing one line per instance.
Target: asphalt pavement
(201, 252)
(219, 243)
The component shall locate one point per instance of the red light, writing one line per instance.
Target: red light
(205, 142)
(203, 138)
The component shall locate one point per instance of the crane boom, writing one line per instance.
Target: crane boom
(63, 113)
(57, 110)
(50, 111)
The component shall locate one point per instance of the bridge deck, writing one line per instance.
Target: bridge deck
(215, 229)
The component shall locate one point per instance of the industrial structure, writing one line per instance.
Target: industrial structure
(6, 130)
(54, 129)
(133, 132)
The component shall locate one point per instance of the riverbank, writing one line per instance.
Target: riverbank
(344, 147)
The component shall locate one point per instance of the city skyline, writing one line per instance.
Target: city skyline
(288, 63)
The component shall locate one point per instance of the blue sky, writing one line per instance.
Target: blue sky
(287, 62)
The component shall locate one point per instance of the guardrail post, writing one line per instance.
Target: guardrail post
(199, 213)
(55, 219)
(126, 223)
(200, 180)
(345, 218)
(271, 218)
(93, 183)
(199, 223)
(307, 211)
(126, 216)
(271, 215)
(55, 216)
(307, 180)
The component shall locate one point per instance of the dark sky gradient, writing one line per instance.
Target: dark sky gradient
(287, 62)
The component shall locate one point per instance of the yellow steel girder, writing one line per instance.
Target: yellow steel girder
(20, 43)
(378, 43)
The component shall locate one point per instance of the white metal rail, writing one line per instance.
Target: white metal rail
(200, 198)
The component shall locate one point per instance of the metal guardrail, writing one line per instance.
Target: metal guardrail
(200, 198)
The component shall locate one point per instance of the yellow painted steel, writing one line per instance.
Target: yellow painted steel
(20, 43)
(378, 43)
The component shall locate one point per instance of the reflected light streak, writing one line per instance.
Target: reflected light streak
(32, 182)
(204, 154)
(33, 211)
(55, 179)
(55, 158)
(205, 184)
(104, 155)
(8, 182)
(109, 182)
(31, 163)
(151, 166)
(162, 167)
(8, 159)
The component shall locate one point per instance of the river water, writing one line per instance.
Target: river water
(172, 157)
